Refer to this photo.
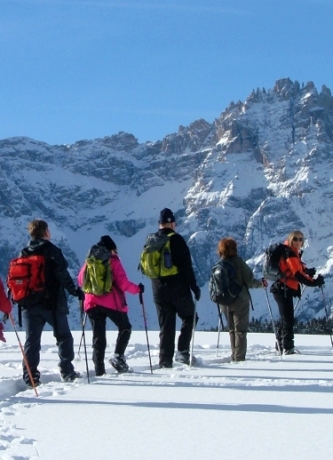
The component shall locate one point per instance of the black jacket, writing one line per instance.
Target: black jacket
(57, 276)
(184, 281)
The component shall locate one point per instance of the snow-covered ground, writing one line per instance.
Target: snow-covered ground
(265, 408)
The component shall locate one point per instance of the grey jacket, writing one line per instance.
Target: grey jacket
(244, 277)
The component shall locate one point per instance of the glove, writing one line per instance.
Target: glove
(197, 293)
(264, 282)
(78, 293)
(142, 288)
(310, 271)
(319, 281)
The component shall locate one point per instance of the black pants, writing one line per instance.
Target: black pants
(285, 332)
(35, 319)
(167, 310)
(98, 316)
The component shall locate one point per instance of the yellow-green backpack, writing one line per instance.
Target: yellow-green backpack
(97, 276)
(155, 259)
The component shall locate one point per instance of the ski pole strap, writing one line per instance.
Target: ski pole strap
(19, 315)
(248, 291)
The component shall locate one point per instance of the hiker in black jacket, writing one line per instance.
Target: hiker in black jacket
(52, 308)
(172, 296)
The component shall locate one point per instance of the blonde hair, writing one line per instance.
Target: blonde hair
(291, 236)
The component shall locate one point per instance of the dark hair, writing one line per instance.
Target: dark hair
(227, 247)
(37, 228)
(107, 242)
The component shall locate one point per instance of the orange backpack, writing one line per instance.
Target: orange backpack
(26, 279)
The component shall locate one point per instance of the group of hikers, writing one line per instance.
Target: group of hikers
(175, 293)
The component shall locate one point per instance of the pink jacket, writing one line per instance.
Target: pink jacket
(5, 305)
(115, 299)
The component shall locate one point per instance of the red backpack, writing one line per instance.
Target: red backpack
(26, 279)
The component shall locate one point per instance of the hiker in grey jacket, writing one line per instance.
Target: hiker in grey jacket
(237, 313)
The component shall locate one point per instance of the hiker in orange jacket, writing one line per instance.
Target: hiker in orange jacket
(294, 273)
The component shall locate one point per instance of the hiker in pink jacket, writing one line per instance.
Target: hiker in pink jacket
(111, 305)
(5, 307)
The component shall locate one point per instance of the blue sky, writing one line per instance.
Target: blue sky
(83, 69)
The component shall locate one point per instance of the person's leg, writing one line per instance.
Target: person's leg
(231, 328)
(167, 321)
(33, 323)
(285, 304)
(121, 320)
(185, 309)
(64, 339)
(241, 325)
(97, 317)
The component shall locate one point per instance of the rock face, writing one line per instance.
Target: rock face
(260, 170)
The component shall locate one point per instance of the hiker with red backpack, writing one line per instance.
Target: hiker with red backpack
(5, 307)
(293, 273)
(105, 298)
(45, 302)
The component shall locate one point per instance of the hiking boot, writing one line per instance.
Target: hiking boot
(277, 348)
(119, 363)
(165, 365)
(100, 369)
(29, 385)
(2, 337)
(100, 373)
(291, 351)
(184, 358)
(71, 377)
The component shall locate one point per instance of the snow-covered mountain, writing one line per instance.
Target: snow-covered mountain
(260, 170)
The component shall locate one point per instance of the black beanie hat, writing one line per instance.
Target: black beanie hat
(107, 242)
(166, 216)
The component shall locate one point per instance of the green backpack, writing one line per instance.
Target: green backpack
(97, 276)
(155, 259)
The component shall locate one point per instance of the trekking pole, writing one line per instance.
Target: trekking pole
(298, 301)
(84, 325)
(24, 355)
(146, 328)
(220, 328)
(84, 338)
(327, 314)
(193, 331)
(277, 343)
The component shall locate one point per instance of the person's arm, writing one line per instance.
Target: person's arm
(60, 270)
(120, 277)
(181, 257)
(248, 277)
(296, 268)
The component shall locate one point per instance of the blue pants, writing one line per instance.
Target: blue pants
(35, 319)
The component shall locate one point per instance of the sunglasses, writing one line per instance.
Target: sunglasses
(300, 239)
